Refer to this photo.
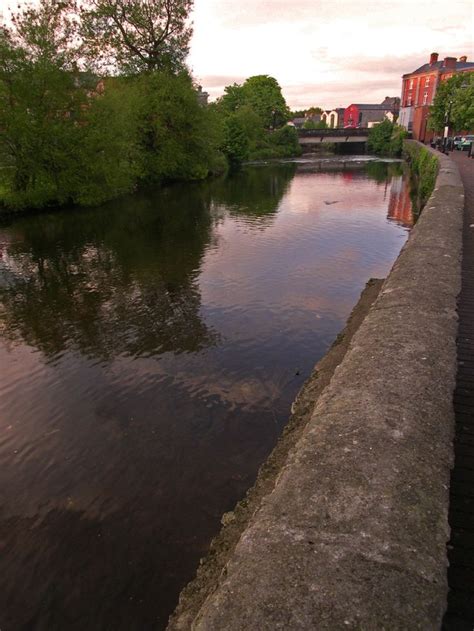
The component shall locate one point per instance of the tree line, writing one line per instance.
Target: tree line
(453, 104)
(96, 100)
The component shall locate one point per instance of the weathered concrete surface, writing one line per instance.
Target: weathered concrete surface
(235, 522)
(353, 534)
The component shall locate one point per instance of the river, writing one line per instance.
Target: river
(150, 351)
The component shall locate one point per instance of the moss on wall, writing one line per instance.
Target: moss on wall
(423, 172)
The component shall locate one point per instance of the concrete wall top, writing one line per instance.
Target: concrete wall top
(353, 535)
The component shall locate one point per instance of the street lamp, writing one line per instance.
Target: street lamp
(446, 124)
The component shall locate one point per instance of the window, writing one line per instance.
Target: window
(409, 101)
(411, 84)
(427, 82)
(425, 98)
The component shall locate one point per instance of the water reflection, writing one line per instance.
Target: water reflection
(400, 207)
(150, 352)
(118, 281)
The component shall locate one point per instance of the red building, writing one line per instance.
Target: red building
(419, 89)
(366, 115)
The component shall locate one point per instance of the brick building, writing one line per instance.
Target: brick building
(419, 89)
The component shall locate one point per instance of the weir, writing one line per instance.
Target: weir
(352, 533)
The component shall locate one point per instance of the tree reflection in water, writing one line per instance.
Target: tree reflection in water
(150, 352)
(116, 466)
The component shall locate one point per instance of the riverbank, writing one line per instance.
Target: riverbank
(353, 534)
(234, 523)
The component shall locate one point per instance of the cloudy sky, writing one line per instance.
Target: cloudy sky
(326, 53)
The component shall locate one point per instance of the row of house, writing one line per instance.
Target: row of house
(419, 89)
(411, 111)
(355, 115)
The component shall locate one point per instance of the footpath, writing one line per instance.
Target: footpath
(460, 613)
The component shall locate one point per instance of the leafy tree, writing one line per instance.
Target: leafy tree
(178, 137)
(285, 140)
(386, 139)
(264, 96)
(297, 114)
(312, 124)
(314, 111)
(236, 143)
(233, 98)
(41, 101)
(137, 35)
(109, 158)
(455, 99)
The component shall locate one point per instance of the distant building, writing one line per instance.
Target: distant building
(300, 121)
(419, 89)
(333, 118)
(203, 97)
(392, 103)
(297, 122)
(364, 115)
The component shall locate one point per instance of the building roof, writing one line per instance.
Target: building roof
(439, 65)
(365, 106)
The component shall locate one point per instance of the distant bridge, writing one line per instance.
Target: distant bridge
(317, 136)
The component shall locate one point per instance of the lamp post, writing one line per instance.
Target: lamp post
(446, 124)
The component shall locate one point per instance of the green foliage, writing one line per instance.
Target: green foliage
(41, 102)
(254, 114)
(297, 114)
(262, 94)
(386, 139)
(67, 137)
(314, 111)
(284, 141)
(135, 36)
(454, 103)
(424, 171)
(177, 138)
(312, 124)
(236, 142)
(110, 159)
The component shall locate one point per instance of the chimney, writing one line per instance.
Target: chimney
(463, 59)
(433, 58)
(450, 62)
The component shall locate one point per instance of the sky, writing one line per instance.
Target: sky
(327, 54)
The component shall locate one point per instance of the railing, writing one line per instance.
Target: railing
(322, 133)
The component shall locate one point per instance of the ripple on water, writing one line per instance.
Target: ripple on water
(150, 353)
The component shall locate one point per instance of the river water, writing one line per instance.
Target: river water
(150, 350)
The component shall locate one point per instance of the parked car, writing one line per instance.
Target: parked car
(457, 141)
(466, 142)
(436, 142)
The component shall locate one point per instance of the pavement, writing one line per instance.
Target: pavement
(460, 613)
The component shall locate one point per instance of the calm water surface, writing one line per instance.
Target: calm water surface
(150, 351)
